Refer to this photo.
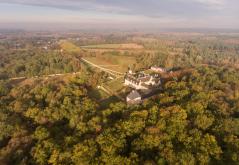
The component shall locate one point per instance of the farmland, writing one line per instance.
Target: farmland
(124, 46)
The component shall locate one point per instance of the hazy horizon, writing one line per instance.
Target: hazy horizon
(109, 14)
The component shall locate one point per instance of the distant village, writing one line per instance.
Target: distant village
(143, 85)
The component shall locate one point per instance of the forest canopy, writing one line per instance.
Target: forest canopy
(194, 120)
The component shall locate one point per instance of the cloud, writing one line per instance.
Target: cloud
(150, 8)
(159, 11)
(68, 4)
(211, 2)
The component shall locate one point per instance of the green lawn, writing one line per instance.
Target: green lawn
(117, 63)
(115, 85)
(98, 94)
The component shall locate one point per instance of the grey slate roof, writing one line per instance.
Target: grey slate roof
(133, 95)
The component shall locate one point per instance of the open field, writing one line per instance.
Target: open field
(122, 51)
(115, 46)
(232, 41)
(117, 63)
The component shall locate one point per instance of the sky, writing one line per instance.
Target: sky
(120, 13)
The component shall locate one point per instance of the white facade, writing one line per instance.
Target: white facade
(134, 84)
(138, 84)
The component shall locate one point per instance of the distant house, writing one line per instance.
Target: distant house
(158, 69)
(45, 47)
(134, 97)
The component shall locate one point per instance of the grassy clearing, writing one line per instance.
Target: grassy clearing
(98, 94)
(117, 63)
(115, 46)
(69, 47)
(115, 85)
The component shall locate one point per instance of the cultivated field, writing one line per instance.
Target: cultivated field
(127, 46)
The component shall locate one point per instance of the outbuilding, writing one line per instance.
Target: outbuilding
(134, 97)
(158, 69)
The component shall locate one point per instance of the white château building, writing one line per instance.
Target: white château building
(141, 81)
